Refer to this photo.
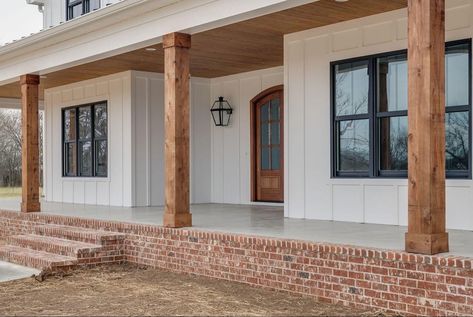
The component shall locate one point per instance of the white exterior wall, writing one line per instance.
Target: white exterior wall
(148, 140)
(231, 145)
(116, 189)
(55, 11)
(310, 192)
(136, 141)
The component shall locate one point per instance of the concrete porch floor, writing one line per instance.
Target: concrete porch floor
(260, 220)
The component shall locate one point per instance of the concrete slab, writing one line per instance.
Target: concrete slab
(10, 272)
(258, 220)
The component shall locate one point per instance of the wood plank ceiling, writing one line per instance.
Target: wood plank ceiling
(245, 46)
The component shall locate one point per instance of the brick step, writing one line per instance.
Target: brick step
(54, 245)
(36, 259)
(80, 234)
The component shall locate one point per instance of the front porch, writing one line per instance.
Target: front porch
(258, 220)
(255, 245)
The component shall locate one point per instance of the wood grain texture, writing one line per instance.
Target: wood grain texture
(176, 115)
(30, 143)
(426, 140)
(249, 45)
(273, 190)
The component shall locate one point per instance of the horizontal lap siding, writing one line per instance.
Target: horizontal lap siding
(339, 274)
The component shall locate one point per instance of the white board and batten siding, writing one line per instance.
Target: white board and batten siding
(148, 140)
(136, 141)
(310, 191)
(115, 189)
(230, 146)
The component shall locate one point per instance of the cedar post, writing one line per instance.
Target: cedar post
(176, 115)
(30, 143)
(426, 67)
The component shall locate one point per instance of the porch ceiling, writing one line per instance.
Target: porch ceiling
(245, 46)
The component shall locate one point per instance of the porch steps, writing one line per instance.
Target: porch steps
(78, 234)
(36, 259)
(55, 248)
(53, 245)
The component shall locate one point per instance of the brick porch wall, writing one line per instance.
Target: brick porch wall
(353, 276)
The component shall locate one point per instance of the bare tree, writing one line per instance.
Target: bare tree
(10, 147)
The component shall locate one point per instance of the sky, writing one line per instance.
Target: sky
(18, 19)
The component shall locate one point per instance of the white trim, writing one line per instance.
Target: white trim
(76, 103)
(106, 32)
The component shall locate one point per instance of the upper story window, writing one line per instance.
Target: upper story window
(370, 129)
(76, 8)
(85, 141)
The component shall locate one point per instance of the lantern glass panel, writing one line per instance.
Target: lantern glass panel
(226, 117)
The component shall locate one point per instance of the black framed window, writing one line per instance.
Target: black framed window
(85, 143)
(369, 112)
(76, 8)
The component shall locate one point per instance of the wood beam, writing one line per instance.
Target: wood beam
(426, 67)
(30, 143)
(176, 98)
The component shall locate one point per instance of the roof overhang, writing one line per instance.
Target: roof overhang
(123, 27)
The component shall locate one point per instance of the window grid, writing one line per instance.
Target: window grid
(375, 116)
(82, 6)
(273, 141)
(79, 141)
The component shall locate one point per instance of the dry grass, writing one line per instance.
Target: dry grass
(13, 192)
(129, 290)
(10, 192)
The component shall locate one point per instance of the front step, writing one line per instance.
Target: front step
(53, 245)
(80, 234)
(57, 248)
(36, 259)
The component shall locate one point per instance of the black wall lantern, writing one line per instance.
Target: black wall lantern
(221, 112)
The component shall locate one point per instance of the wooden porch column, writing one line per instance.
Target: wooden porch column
(426, 141)
(30, 143)
(176, 113)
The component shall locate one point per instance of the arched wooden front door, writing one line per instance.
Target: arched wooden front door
(267, 134)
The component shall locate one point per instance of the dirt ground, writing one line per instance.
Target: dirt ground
(128, 290)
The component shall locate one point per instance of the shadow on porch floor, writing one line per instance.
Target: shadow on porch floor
(258, 220)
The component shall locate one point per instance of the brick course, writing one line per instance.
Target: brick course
(360, 277)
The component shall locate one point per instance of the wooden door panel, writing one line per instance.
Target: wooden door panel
(268, 146)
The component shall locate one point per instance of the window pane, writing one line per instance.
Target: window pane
(100, 121)
(76, 11)
(456, 75)
(264, 112)
(457, 140)
(85, 123)
(275, 109)
(351, 88)
(264, 133)
(94, 5)
(275, 134)
(85, 156)
(275, 158)
(392, 83)
(70, 157)
(265, 164)
(353, 149)
(70, 125)
(101, 158)
(393, 147)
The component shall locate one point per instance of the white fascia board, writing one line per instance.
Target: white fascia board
(123, 27)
